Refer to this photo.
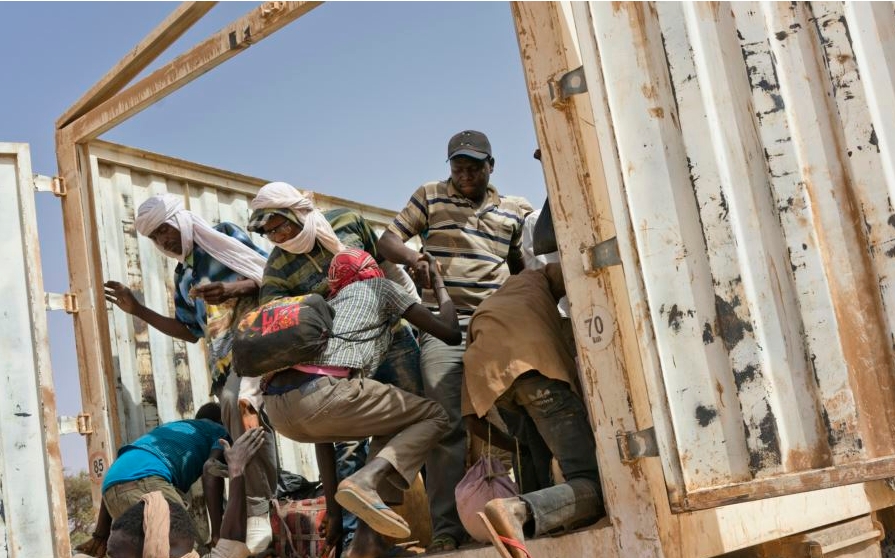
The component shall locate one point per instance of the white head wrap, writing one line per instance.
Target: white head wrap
(315, 227)
(169, 209)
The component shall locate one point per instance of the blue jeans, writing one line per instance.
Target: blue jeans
(560, 421)
(401, 368)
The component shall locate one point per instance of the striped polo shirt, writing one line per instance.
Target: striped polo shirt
(472, 242)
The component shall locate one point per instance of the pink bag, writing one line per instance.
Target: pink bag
(486, 480)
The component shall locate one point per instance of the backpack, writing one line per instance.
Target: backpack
(281, 333)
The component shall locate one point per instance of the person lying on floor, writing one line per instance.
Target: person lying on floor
(157, 527)
(330, 399)
(516, 359)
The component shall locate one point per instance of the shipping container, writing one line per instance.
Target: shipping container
(720, 177)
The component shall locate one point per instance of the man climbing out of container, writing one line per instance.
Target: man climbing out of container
(158, 526)
(216, 280)
(475, 236)
(167, 459)
(305, 240)
(517, 359)
(331, 398)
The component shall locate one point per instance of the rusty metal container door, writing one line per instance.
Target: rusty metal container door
(33, 521)
(754, 145)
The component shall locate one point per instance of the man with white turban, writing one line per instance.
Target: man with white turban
(217, 278)
(305, 240)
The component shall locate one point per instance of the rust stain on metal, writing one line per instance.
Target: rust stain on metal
(657, 112)
(731, 328)
(804, 459)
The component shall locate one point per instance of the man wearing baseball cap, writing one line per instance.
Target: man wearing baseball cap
(475, 235)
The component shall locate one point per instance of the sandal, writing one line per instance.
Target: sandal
(500, 542)
(370, 509)
(442, 543)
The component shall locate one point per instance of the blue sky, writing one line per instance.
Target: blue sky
(355, 100)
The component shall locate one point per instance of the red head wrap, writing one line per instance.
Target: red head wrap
(349, 266)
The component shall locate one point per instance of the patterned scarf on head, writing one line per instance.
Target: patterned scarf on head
(350, 266)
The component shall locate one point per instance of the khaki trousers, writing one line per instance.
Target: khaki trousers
(404, 427)
(121, 496)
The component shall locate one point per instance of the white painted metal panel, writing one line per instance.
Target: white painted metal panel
(756, 162)
(32, 513)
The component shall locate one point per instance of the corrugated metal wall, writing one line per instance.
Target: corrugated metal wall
(158, 378)
(756, 146)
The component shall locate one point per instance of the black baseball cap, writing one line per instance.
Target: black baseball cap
(469, 143)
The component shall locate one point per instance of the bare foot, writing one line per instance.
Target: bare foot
(508, 515)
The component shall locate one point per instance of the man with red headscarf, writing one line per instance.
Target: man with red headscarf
(329, 399)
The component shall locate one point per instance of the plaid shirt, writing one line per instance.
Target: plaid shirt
(365, 312)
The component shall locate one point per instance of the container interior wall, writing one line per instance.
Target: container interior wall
(158, 378)
(757, 182)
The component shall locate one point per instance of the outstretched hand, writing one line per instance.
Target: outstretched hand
(121, 296)
(240, 454)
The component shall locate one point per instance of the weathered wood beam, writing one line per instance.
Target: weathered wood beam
(223, 45)
(81, 246)
(573, 157)
(135, 61)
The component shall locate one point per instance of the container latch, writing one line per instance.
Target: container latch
(64, 301)
(635, 445)
(55, 184)
(565, 85)
(604, 254)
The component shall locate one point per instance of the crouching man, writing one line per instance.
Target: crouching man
(332, 399)
(517, 360)
(168, 459)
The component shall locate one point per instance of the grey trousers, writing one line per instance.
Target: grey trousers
(442, 368)
(560, 420)
(261, 472)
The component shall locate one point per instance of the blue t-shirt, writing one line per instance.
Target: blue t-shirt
(175, 451)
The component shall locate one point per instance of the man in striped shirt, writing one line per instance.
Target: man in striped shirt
(475, 235)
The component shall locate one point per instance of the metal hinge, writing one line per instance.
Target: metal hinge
(64, 301)
(55, 184)
(635, 445)
(270, 8)
(82, 424)
(602, 255)
(564, 86)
